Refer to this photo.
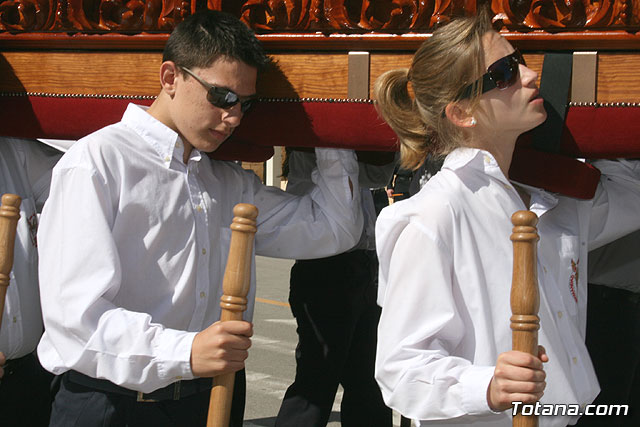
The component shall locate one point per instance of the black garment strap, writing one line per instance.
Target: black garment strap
(554, 89)
(174, 391)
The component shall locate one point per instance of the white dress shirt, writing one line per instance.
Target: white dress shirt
(25, 170)
(133, 246)
(445, 279)
(302, 163)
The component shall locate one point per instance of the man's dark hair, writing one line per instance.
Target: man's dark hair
(204, 36)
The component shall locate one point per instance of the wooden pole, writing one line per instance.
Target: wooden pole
(525, 299)
(9, 215)
(237, 278)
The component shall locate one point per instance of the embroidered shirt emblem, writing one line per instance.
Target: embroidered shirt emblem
(573, 280)
(32, 222)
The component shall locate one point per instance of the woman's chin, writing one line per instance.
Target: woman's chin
(540, 119)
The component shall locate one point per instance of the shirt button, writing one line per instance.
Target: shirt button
(15, 319)
(166, 159)
(202, 294)
(575, 360)
(487, 159)
(559, 315)
(179, 377)
(204, 251)
(199, 208)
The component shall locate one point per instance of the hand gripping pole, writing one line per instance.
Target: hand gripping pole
(525, 299)
(9, 215)
(237, 278)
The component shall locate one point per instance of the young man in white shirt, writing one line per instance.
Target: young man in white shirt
(135, 235)
(25, 170)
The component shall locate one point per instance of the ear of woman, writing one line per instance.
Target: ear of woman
(459, 115)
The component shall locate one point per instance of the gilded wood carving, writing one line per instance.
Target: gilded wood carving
(326, 16)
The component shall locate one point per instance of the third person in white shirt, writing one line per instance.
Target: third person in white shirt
(25, 398)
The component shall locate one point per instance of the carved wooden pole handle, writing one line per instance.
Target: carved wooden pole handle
(237, 278)
(525, 299)
(9, 215)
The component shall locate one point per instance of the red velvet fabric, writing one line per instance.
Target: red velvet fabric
(602, 132)
(591, 132)
(554, 172)
(59, 117)
(317, 124)
(74, 117)
(598, 133)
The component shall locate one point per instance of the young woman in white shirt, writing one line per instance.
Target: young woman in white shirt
(445, 256)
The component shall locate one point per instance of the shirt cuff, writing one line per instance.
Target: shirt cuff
(475, 382)
(175, 350)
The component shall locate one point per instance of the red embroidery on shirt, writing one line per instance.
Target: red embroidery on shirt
(32, 222)
(573, 280)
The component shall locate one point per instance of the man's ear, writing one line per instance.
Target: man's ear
(168, 77)
(459, 115)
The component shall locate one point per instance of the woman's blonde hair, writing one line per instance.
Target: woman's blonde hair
(448, 61)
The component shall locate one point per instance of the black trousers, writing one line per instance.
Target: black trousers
(81, 406)
(613, 341)
(25, 397)
(334, 302)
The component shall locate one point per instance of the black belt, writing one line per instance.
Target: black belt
(174, 391)
(356, 255)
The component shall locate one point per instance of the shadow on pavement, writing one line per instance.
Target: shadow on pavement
(271, 421)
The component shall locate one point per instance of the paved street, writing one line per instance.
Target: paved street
(271, 363)
(270, 366)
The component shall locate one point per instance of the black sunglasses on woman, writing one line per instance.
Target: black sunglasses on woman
(501, 74)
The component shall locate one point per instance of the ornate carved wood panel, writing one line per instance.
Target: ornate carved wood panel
(308, 38)
(326, 16)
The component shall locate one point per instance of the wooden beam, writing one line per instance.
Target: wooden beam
(293, 75)
(358, 76)
(584, 77)
(113, 73)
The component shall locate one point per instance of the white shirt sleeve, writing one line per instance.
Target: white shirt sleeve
(415, 367)
(325, 221)
(79, 271)
(38, 160)
(25, 170)
(616, 203)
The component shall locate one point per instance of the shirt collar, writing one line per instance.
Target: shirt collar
(164, 140)
(481, 160)
(477, 159)
(541, 201)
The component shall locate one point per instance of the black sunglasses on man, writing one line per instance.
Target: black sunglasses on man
(222, 97)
